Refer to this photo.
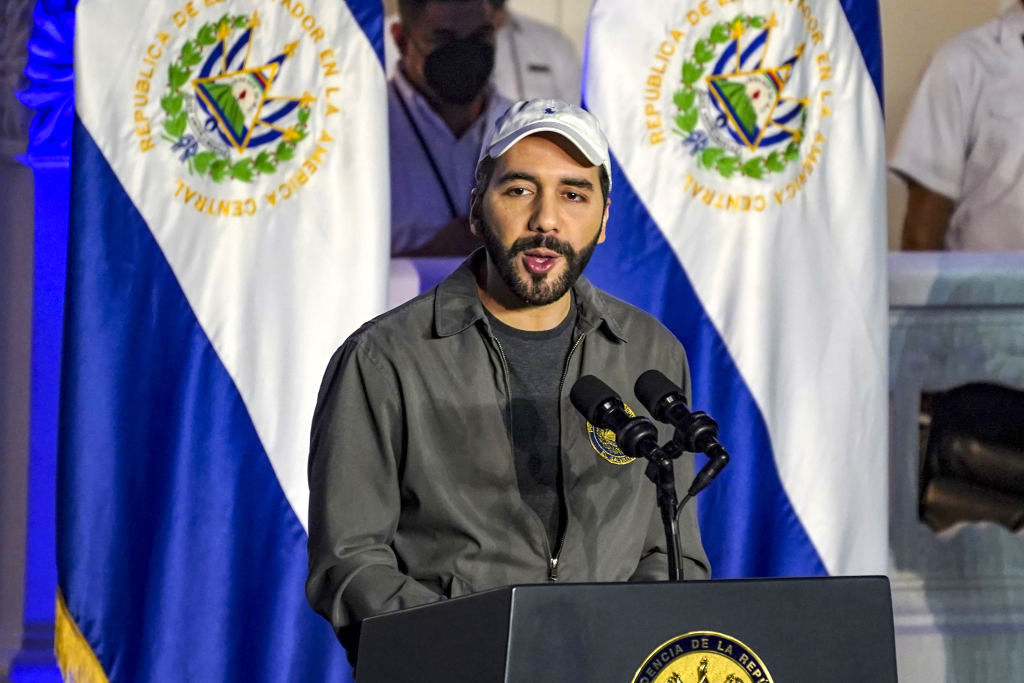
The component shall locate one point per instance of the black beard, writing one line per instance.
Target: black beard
(537, 289)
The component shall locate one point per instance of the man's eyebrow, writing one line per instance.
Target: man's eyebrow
(581, 183)
(518, 175)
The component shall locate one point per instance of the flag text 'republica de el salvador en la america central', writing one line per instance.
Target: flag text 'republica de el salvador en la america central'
(748, 214)
(229, 229)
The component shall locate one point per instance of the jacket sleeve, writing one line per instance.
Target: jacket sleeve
(354, 499)
(653, 564)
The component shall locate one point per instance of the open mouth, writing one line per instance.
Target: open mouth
(539, 261)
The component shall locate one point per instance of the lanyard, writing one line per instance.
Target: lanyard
(426, 150)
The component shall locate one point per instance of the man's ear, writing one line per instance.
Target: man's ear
(400, 37)
(474, 212)
(604, 221)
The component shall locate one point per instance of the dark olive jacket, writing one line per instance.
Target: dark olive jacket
(413, 490)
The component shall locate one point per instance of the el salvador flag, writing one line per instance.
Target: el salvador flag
(748, 214)
(229, 229)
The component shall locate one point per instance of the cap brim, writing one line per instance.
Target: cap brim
(593, 155)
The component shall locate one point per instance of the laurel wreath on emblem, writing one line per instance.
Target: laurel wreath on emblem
(685, 99)
(207, 163)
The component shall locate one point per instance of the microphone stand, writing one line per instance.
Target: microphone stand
(661, 471)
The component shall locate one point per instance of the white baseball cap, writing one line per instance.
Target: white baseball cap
(527, 117)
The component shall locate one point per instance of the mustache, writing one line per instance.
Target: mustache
(540, 242)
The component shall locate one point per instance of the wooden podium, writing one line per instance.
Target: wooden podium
(782, 630)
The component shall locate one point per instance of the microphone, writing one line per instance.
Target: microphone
(636, 436)
(666, 403)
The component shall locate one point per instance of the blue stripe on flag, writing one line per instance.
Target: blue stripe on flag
(370, 16)
(179, 557)
(747, 522)
(867, 27)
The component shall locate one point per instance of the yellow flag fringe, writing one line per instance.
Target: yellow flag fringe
(78, 663)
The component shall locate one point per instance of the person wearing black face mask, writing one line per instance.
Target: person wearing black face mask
(532, 59)
(440, 104)
(459, 69)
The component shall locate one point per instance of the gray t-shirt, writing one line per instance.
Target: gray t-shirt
(536, 362)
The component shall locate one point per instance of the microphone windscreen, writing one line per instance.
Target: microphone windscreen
(653, 386)
(587, 395)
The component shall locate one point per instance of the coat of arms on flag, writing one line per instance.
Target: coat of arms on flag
(238, 97)
(219, 100)
(743, 96)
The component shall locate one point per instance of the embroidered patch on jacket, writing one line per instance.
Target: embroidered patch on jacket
(603, 441)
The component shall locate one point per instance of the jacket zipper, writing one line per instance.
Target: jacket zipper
(553, 562)
(508, 389)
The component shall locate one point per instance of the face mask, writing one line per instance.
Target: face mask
(458, 71)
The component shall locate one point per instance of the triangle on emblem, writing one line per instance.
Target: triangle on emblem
(235, 99)
(748, 98)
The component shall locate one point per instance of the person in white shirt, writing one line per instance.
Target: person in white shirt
(440, 105)
(533, 60)
(961, 150)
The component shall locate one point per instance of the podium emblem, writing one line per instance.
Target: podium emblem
(702, 657)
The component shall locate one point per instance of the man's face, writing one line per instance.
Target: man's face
(540, 217)
(438, 24)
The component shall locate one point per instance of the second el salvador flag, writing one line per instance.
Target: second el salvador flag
(748, 214)
(229, 229)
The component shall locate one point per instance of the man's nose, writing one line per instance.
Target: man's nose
(545, 213)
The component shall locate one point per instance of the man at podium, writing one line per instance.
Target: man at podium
(445, 455)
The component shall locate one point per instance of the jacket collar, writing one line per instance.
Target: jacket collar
(457, 305)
